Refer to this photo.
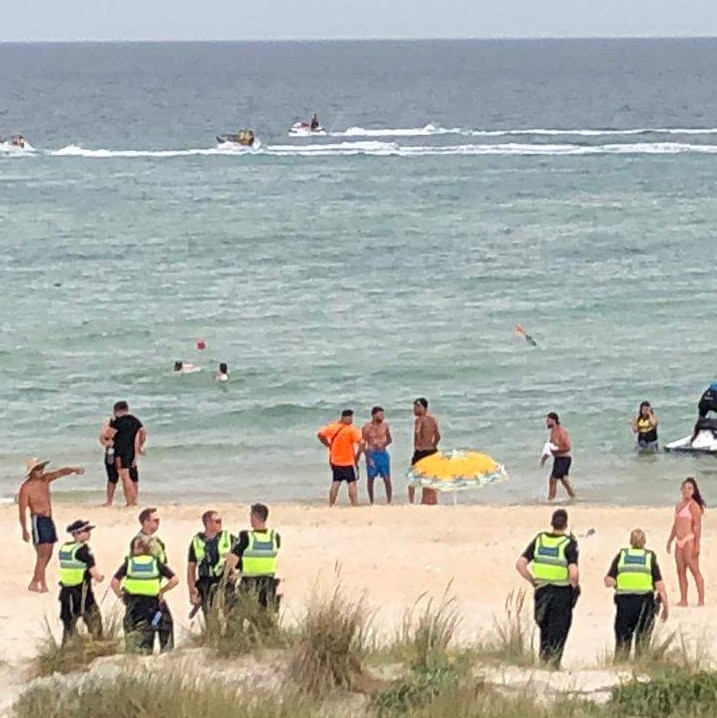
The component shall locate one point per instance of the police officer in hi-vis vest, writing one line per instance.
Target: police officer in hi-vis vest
(636, 577)
(554, 575)
(138, 582)
(255, 555)
(77, 571)
(208, 553)
(149, 526)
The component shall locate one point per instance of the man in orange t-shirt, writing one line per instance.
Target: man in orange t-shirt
(340, 438)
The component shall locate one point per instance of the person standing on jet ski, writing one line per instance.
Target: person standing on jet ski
(314, 123)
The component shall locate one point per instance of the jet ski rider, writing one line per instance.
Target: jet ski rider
(314, 123)
(708, 400)
(707, 403)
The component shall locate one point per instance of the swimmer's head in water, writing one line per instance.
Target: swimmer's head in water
(178, 365)
(223, 368)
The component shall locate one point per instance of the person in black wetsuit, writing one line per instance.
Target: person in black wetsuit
(706, 404)
(314, 123)
(708, 401)
(128, 436)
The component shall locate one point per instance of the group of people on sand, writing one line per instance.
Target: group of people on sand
(346, 444)
(550, 565)
(219, 563)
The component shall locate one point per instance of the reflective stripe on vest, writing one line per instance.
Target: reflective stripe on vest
(259, 557)
(143, 578)
(550, 566)
(224, 547)
(72, 571)
(634, 571)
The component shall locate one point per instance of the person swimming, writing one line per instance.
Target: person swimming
(181, 367)
(223, 373)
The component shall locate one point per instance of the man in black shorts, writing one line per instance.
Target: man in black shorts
(106, 440)
(558, 447)
(345, 444)
(128, 436)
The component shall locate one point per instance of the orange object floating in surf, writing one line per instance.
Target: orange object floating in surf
(201, 344)
(521, 332)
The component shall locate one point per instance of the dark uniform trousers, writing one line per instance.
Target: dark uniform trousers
(138, 629)
(207, 587)
(554, 616)
(635, 617)
(79, 602)
(263, 588)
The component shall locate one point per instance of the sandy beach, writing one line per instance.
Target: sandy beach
(390, 554)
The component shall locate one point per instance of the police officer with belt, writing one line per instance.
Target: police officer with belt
(138, 582)
(636, 577)
(554, 575)
(208, 553)
(255, 555)
(77, 570)
(149, 526)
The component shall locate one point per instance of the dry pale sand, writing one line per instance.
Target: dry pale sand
(390, 554)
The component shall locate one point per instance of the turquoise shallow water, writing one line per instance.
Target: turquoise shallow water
(361, 268)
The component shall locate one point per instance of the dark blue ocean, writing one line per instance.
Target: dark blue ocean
(460, 188)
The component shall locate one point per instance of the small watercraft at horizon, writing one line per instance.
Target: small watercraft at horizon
(306, 129)
(17, 141)
(243, 138)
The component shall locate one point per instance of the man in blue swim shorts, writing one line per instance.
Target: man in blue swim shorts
(377, 436)
(34, 496)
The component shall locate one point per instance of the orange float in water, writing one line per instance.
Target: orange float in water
(201, 344)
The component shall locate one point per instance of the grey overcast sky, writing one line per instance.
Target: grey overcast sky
(73, 20)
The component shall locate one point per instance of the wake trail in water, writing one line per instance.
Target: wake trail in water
(378, 149)
(432, 130)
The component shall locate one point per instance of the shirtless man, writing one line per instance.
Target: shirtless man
(425, 442)
(35, 496)
(377, 436)
(560, 439)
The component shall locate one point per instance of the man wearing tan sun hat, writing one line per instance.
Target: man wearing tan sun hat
(35, 495)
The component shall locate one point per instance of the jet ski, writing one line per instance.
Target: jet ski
(304, 129)
(705, 441)
(17, 141)
(245, 138)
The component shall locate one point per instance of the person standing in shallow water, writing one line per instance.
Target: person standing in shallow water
(687, 535)
(425, 443)
(377, 436)
(645, 426)
(562, 461)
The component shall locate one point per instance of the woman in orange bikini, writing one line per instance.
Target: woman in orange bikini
(687, 532)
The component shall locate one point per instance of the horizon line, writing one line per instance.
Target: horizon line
(298, 40)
